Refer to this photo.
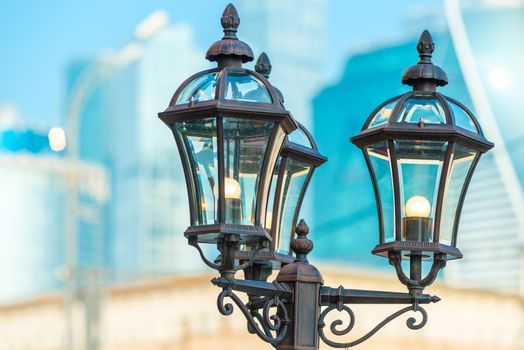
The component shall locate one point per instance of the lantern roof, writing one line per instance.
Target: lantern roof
(423, 113)
(301, 145)
(230, 89)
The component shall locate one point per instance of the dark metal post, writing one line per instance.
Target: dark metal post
(305, 281)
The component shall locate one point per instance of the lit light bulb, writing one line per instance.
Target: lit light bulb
(500, 78)
(269, 219)
(57, 139)
(418, 206)
(231, 188)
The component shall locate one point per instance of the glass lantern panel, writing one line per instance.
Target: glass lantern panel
(199, 138)
(462, 161)
(245, 146)
(293, 182)
(382, 116)
(419, 165)
(246, 87)
(416, 109)
(378, 155)
(202, 88)
(300, 138)
(271, 196)
(462, 118)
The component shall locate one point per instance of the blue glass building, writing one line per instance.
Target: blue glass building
(34, 184)
(491, 231)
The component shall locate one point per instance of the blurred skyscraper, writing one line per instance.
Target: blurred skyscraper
(117, 125)
(120, 96)
(33, 182)
(294, 35)
(491, 230)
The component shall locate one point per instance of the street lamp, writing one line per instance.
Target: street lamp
(248, 163)
(421, 149)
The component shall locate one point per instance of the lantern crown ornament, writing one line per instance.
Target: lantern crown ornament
(425, 75)
(230, 50)
(421, 149)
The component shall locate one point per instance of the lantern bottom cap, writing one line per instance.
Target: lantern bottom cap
(426, 249)
(214, 232)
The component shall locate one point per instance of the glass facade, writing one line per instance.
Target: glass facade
(118, 130)
(34, 186)
(493, 261)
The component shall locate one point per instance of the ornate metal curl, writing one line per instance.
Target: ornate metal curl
(439, 263)
(219, 267)
(206, 261)
(411, 323)
(276, 323)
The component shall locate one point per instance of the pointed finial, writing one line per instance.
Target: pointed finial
(301, 245)
(230, 21)
(425, 76)
(425, 46)
(263, 65)
(230, 51)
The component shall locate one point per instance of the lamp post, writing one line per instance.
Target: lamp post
(247, 164)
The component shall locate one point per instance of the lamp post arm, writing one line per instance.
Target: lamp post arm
(258, 288)
(333, 296)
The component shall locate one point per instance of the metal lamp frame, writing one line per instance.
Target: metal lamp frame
(290, 312)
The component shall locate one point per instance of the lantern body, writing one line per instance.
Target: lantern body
(291, 176)
(421, 149)
(298, 160)
(229, 124)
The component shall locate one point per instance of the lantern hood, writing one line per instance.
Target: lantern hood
(230, 89)
(423, 112)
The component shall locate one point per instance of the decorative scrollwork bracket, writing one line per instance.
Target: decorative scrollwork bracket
(271, 327)
(411, 323)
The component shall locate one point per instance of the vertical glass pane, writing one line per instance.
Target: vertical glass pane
(201, 88)
(383, 114)
(461, 163)
(200, 141)
(271, 196)
(245, 146)
(419, 168)
(293, 182)
(462, 119)
(245, 87)
(429, 111)
(379, 157)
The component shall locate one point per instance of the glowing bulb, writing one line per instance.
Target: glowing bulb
(57, 139)
(500, 78)
(232, 188)
(418, 206)
(269, 219)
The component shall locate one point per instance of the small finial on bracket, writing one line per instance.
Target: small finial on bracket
(301, 245)
(263, 65)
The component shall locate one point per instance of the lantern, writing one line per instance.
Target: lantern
(229, 124)
(421, 149)
(298, 158)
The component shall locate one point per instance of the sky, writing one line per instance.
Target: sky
(38, 39)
